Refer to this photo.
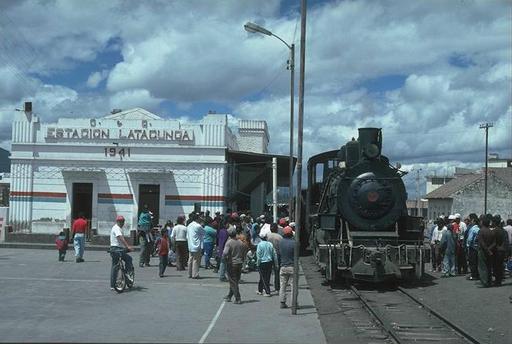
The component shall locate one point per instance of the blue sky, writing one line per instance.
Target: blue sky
(427, 72)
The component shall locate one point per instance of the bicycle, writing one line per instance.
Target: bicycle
(124, 279)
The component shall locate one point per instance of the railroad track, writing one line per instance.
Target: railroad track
(404, 319)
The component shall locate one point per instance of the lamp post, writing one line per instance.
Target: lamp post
(253, 28)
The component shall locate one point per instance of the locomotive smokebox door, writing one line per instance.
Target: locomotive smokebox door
(327, 222)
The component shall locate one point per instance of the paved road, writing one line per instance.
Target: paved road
(44, 300)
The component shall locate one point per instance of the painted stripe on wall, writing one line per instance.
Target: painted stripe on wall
(191, 203)
(109, 198)
(38, 194)
(115, 196)
(196, 198)
(27, 196)
(114, 201)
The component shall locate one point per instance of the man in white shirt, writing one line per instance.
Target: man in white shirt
(265, 229)
(179, 238)
(195, 237)
(437, 234)
(116, 239)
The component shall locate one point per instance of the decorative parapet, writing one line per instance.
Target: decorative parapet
(253, 136)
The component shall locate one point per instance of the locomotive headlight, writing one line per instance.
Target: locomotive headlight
(371, 150)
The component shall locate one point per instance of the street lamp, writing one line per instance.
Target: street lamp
(253, 28)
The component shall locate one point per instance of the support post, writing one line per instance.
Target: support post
(300, 129)
(274, 188)
(292, 88)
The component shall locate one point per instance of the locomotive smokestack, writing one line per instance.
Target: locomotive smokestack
(370, 140)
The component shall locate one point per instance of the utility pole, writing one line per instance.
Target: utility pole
(418, 192)
(291, 67)
(486, 126)
(274, 189)
(300, 132)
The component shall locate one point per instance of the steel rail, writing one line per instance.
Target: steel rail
(377, 315)
(459, 330)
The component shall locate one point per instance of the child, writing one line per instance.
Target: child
(62, 245)
(163, 251)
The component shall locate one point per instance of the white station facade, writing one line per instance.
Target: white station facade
(103, 167)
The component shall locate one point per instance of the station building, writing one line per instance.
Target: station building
(109, 166)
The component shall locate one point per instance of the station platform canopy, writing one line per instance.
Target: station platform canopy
(248, 171)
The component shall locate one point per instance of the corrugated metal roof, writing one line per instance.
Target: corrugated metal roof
(460, 182)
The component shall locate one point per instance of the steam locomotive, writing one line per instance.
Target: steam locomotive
(357, 217)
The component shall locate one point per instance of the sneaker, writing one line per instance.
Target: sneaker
(259, 293)
(237, 302)
(283, 305)
(227, 299)
(267, 295)
(111, 288)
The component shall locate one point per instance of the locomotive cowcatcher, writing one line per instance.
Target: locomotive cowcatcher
(357, 217)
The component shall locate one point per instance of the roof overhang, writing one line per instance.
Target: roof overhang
(257, 159)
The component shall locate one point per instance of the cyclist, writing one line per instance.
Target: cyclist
(116, 239)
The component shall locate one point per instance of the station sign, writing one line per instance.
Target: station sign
(179, 135)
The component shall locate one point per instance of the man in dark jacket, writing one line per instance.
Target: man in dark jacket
(501, 238)
(486, 252)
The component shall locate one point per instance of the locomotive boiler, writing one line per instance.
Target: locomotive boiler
(357, 216)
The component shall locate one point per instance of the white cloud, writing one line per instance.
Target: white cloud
(133, 98)
(454, 57)
(95, 78)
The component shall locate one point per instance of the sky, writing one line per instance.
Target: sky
(427, 72)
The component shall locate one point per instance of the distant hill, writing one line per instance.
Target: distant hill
(5, 163)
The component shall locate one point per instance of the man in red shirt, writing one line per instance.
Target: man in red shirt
(78, 229)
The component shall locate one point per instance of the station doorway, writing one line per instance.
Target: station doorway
(82, 200)
(149, 194)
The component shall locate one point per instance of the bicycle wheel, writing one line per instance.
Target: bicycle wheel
(130, 278)
(120, 280)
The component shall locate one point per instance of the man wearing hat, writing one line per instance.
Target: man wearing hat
(266, 259)
(233, 256)
(117, 242)
(287, 253)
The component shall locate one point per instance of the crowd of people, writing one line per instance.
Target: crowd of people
(478, 246)
(227, 244)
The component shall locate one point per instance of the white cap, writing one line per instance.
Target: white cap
(451, 217)
(262, 216)
(457, 216)
(292, 224)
